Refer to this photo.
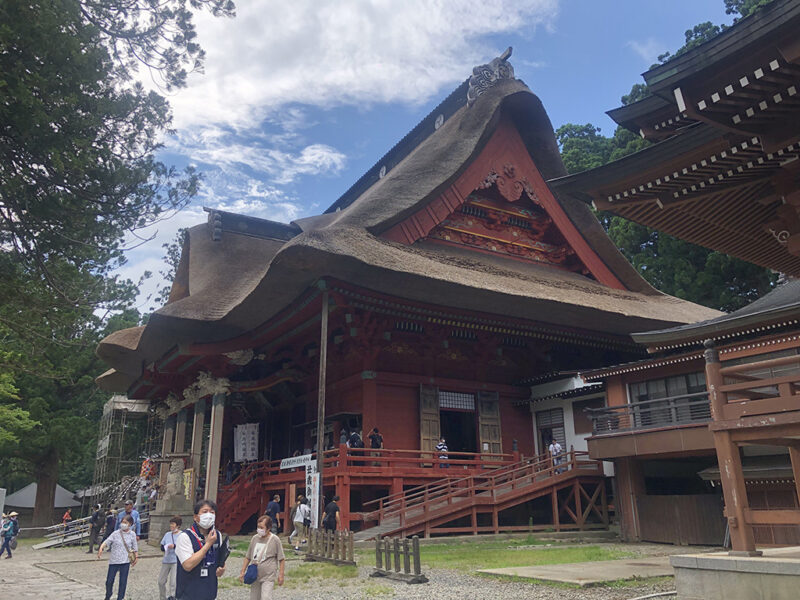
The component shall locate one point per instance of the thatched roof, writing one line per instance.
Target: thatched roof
(251, 272)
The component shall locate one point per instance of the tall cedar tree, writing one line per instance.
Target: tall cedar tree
(78, 173)
(671, 265)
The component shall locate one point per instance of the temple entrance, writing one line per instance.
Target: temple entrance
(459, 430)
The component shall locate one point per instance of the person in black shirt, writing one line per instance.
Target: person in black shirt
(375, 439)
(332, 519)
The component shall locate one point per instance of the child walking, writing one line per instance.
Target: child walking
(124, 554)
(169, 564)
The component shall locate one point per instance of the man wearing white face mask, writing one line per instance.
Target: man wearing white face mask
(197, 549)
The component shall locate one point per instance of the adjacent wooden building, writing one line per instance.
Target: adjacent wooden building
(451, 277)
(719, 398)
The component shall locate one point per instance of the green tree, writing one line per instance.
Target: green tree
(77, 174)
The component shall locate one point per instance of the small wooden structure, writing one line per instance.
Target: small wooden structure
(330, 546)
(390, 553)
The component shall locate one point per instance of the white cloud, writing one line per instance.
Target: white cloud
(649, 49)
(226, 151)
(332, 53)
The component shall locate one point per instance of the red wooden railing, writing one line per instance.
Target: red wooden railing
(417, 503)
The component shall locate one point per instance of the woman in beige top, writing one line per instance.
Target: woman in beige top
(267, 552)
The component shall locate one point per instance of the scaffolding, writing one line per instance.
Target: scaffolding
(130, 432)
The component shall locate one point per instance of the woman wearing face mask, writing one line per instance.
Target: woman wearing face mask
(267, 552)
(124, 555)
(197, 549)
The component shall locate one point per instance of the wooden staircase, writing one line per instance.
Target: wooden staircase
(576, 489)
(240, 500)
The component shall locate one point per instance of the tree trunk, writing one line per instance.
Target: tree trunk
(46, 474)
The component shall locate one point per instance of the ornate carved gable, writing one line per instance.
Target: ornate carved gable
(501, 205)
(504, 216)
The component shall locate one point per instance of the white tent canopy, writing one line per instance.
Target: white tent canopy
(26, 498)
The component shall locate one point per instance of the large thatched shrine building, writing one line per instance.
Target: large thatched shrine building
(446, 281)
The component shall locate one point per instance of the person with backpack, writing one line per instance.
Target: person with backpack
(7, 533)
(111, 523)
(169, 564)
(274, 513)
(124, 554)
(301, 513)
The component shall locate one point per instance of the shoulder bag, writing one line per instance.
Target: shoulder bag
(131, 553)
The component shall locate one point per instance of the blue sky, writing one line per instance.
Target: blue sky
(299, 98)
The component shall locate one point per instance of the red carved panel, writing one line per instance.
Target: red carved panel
(505, 168)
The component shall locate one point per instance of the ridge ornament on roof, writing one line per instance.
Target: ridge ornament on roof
(485, 76)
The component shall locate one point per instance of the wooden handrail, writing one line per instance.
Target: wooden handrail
(764, 364)
(483, 482)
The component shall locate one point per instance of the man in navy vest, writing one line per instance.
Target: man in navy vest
(197, 549)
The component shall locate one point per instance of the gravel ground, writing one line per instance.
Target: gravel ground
(444, 584)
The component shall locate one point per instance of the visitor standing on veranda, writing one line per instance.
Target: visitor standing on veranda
(169, 564)
(124, 553)
(198, 550)
(441, 448)
(266, 551)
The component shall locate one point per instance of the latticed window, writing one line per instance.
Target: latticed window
(456, 400)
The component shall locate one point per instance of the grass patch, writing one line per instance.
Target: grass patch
(637, 582)
(376, 590)
(471, 556)
(306, 571)
(230, 582)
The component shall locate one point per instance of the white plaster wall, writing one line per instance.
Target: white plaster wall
(577, 440)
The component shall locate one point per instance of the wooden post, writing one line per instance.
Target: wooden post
(578, 507)
(387, 554)
(350, 549)
(323, 367)
(166, 448)
(554, 502)
(417, 562)
(794, 455)
(495, 522)
(179, 445)
(730, 462)
(406, 557)
(378, 562)
(396, 555)
(215, 445)
(197, 438)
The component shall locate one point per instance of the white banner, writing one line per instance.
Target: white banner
(102, 447)
(312, 492)
(245, 442)
(297, 461)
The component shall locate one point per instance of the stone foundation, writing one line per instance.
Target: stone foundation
(164, 511)
(719, 576)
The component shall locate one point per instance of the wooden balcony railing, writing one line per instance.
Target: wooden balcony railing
(651, 414)
(368, 460)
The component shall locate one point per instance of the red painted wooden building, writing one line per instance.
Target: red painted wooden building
(453, 277)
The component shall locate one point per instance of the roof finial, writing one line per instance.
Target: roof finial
(485, 76)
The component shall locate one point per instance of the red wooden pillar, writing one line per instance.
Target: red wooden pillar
(578, 508)
(495, 521)
(343, 491)
(397, 486)
(474, 520)
(729, 460)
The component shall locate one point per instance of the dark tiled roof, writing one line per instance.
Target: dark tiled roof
(783, 301)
